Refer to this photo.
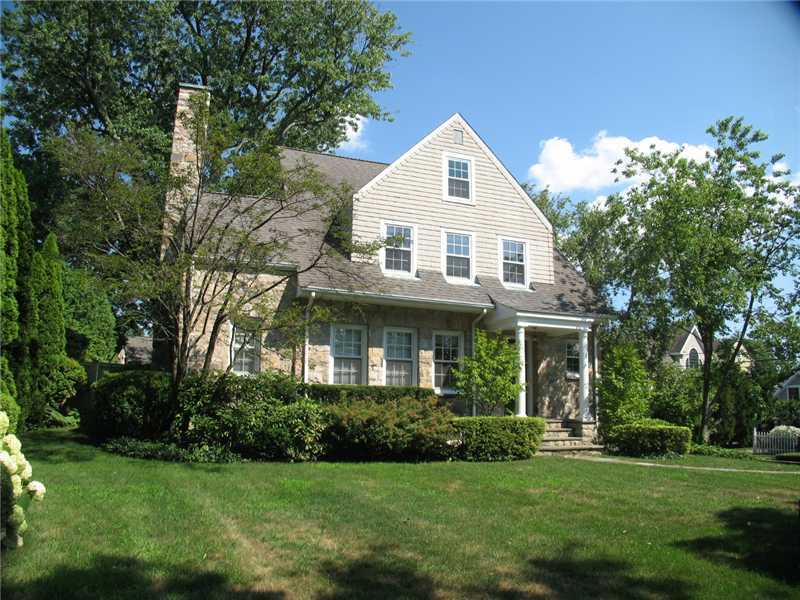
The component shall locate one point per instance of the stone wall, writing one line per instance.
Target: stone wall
(556, 391)
(375, 317)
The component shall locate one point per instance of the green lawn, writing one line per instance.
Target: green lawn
(112, 527)
(754, 463)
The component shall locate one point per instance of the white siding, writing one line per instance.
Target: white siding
(413, 193)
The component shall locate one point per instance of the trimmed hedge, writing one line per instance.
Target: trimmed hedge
(131, 403)
(498, 438)
(166, 451)
(645, 439)
(326, 393)
(405, 429)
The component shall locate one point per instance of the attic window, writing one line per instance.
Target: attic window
(458, 136)
(458, 179)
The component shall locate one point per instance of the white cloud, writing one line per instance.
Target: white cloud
(562, 169)
(355, 135)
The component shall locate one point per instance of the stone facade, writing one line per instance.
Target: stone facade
(556, 390)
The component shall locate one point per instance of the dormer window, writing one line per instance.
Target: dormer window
(398, 255)
(512, 262)
(459, 179)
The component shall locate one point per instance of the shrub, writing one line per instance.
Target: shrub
(624, 389)
(166, 451)
(326, 393)
(8, 405)
(405, 429)
(264, 416)
(58, 381)
(132, 403)
(489, 379)
(498, 438)
(709, 450)
(784, 430)
(16, 487)
(788, 457)
(644, 439)
(676, 395)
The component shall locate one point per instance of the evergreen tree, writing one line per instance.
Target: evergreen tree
(9, 245)
(88, 317)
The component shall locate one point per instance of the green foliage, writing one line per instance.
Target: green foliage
(710, 450)
(649, 439)
(489, 378)
(498, 438)
(58, 381)
(402, 429)
(738, 406)
(8, 404)
(9, 242)
(88, 317)
(624, 389)
(285, 431)
(331, 394)
(133, 403)
(302, 70)
(168, 451)
(676, 395)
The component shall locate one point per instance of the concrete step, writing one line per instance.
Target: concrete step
(585, 448)
(563, 442)
(557, 435)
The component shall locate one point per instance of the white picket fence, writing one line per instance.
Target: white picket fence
(776, 443)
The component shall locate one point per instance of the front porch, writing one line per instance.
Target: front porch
(558, 360)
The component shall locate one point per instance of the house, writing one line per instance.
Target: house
(789, 389)
(687, 351)
(466, 249)
(138, 350)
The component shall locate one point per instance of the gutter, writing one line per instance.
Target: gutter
(475, 321)
(410, 299)
(305, 344)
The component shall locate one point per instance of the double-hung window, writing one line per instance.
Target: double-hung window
(245, 350)
(347, 343)
(399, 250)
(573, 360)
(447, 348)
(513, 262)
(399, 351)
(458, 255)
(459, 179)
(693, 361)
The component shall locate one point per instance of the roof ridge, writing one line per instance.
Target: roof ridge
(330, 154)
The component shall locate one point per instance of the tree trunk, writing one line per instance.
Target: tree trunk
(707, 337)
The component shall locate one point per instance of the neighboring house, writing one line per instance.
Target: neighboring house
(687, 350)
(789, 389)
(138, 350)
(468, 249)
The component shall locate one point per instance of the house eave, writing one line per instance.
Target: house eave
(394, 299)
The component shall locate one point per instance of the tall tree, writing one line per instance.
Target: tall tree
(9, 244)
(88, 317)
(700, 242)
(304, 71)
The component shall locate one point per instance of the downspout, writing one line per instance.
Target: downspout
(475, 321)
(305, 344)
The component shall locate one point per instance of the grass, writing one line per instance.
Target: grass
(114, 527)
(756, 463)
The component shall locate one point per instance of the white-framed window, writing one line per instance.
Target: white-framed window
(347, 354)
(400, 356)
(573, 359)
(693, 362)
(448, 349)
(459, 179)
(399, 253)
(793, 392)
(245, 349)
(458, 256)
(513, 262)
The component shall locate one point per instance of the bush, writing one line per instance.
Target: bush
(784, 430)
(676, 395)
(166, 451)
(16, 487)
(645, 439)
(264, 416)
(325, 393)
(788, 457)
(131, 403)
(624, 389)
(8, 405)
(489, 379)
(405, 429)
(498, 438)
(57, 382)
(709, 450)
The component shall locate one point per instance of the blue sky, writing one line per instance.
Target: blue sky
(568, 85)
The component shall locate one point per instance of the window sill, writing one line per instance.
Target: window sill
(573, 376)
(459, 200)
(461, 281)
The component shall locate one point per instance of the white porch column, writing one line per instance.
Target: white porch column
(522, 394)
(583, 393)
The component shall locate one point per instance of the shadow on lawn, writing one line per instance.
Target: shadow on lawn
(573, 576)
(378, 574)
(765, 540)
(58, 446)
(124, 577)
